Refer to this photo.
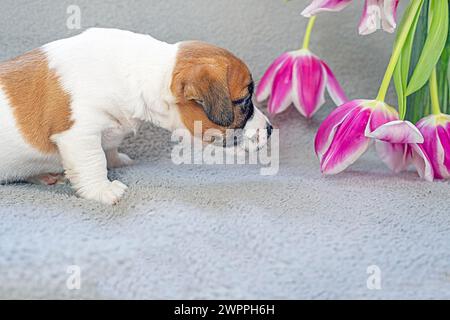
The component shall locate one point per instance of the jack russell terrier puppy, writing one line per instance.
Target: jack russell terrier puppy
(67, 106)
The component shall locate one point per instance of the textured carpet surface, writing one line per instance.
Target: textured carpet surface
(226, 231)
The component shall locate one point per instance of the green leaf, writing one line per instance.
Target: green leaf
(418, 103)
(400, 88)
(434, 45)
(402, 68)
(443, 72)
(446, 107)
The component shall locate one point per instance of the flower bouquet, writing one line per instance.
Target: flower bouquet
(417, 132)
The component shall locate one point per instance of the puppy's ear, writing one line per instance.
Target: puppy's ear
(208, 86)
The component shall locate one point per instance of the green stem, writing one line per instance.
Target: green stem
(435, 107)
(400, 42)
(309, 29)
(434, 91)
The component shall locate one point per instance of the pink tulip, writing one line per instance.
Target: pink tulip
(436, 132)
(399, 144)
(298, 77)
(378, 13)
(325, 5)
(342, 139)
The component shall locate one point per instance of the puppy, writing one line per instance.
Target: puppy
(67, 106)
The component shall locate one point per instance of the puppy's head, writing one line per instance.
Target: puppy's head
(215, 88)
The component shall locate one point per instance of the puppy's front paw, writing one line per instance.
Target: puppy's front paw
(108, 192)
(118, 160)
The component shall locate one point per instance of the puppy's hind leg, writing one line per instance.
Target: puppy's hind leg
(85, 166)
(111, 140)
(116, 159)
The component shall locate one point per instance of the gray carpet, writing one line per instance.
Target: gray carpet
(226, 231)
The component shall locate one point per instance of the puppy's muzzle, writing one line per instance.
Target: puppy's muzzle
(257, 132)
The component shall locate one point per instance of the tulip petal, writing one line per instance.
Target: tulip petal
(370, 20)
(308, 85)
(394, 155)
(397, 132)
(329, 126)
(389, 15)
(422, 162)
(335, 90)
(265, 85)
(381, 115)
(431, 147)
(349, 142)
(444, 147)
(281, 96)
(428, 126)
(437, 147)
(325, 5)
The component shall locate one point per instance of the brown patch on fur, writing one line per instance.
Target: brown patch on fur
(205, 81)
(40, 105)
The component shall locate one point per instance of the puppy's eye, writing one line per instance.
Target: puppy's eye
(243, 101)
(247, 99)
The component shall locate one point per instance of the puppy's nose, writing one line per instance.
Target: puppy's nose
(269, 129)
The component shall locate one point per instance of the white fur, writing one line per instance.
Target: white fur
(255, 133)
(116, 79)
